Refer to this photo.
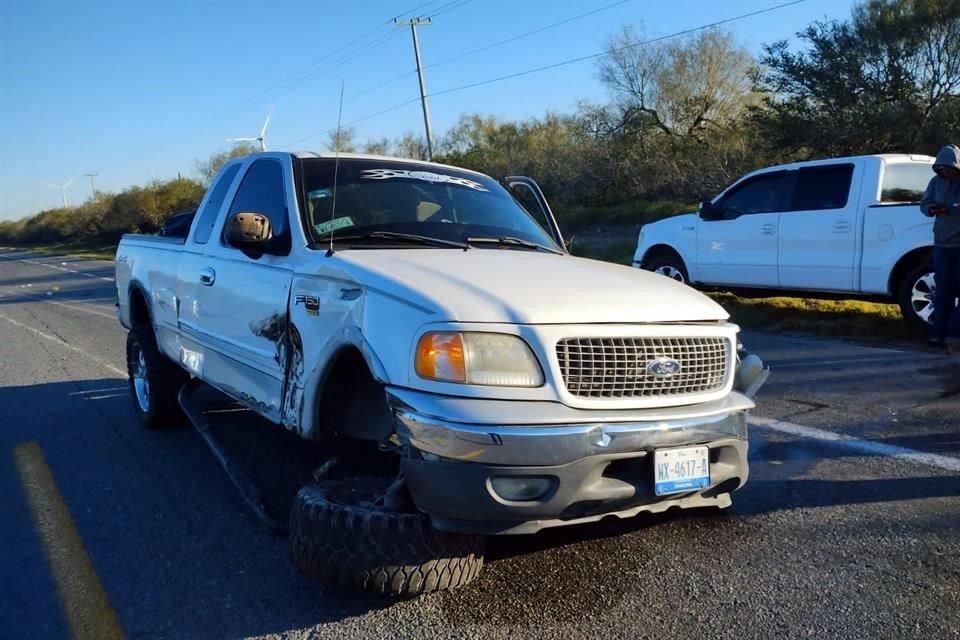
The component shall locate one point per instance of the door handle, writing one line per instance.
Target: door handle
(767, 229)
(841, 226)
(208, 276)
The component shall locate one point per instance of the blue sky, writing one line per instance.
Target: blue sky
(140, 89)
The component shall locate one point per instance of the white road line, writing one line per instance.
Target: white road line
(108, 316)
(97, 311)
(51, 338)
(858, 444)
(58, 268)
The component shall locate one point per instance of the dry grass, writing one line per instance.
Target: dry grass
(868, 321)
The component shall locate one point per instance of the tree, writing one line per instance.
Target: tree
(680, 88)
(211, 166)
(379, 147)
(342, 140)
(411, 145)
(887, 80)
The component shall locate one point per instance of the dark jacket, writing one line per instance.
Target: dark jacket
(945, 193)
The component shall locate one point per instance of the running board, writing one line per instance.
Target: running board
(248, 490)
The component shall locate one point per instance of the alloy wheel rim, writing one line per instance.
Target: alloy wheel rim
(141, 386)
(671, 272)
(921, 297)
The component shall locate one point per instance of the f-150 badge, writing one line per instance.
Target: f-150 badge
(310, 303)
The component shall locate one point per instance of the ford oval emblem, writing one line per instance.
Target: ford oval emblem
(663, 367)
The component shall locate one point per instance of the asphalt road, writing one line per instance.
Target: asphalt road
(856, 537)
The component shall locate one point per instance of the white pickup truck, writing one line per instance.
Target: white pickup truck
(849, 226)
(482, 380)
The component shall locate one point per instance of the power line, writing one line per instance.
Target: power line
(251, 100)
(526, 34)
(465, 54)
(592, 56)
(366, 48)
(298, 75)
(450, 6)
(563, 63)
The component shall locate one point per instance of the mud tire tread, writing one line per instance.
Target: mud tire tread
(367, 549)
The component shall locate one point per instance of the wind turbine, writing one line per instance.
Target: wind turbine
(259, 138)
(62, 188)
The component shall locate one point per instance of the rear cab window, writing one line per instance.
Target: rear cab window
(822, 188)
(905, 182)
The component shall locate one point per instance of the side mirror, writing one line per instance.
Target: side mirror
(709, 211)
(252, 233)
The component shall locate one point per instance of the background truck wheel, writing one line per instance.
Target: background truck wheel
(154, 380)
(667, 264)
(915, 296)
(341, 537)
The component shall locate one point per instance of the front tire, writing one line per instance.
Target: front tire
(154, 380)
(669, 265)
(340, 535)
(915, 296)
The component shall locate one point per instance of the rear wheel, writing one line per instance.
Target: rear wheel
(154, 380)
(915, 296)
(667, 264)
(342, 534)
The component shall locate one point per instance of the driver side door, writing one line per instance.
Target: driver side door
(238, 310)
(739, 247)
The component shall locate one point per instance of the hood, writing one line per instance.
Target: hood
(949, 156)
(673, 223)
(525, 287)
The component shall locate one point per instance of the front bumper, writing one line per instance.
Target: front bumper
(600, 463)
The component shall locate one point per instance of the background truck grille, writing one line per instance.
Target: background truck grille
(617, 367)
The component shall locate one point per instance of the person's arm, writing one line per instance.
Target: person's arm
(928, 206)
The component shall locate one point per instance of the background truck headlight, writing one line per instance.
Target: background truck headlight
(495, 359)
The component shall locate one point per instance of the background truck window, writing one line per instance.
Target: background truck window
(905, 182)
(762, 194)
(822, 188)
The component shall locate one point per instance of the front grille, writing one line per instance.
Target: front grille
(618, 367)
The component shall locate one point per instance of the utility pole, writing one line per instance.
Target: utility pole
(93, 187)
(413, 24)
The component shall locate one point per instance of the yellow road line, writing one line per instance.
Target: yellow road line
(82, 596)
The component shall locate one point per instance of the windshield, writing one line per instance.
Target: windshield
(400, 197)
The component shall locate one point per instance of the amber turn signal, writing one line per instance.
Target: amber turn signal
(440, 357)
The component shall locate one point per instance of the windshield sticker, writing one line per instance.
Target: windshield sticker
(425, 176)
(333, 225)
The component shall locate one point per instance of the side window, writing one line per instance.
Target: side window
(207, 216)
(261, 191)
(762, 194)
(905, 183)
(822, 188)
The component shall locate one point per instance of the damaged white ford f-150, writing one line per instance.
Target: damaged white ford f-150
(430, 321)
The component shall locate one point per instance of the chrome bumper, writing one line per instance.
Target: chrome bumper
(451, 428)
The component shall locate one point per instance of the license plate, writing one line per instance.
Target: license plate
(680, 470)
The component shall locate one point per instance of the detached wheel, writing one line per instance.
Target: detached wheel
(154, 380)
(915, 296)
(340, 535)
(668, 264)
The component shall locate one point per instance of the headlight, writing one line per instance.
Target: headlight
(495, 359)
